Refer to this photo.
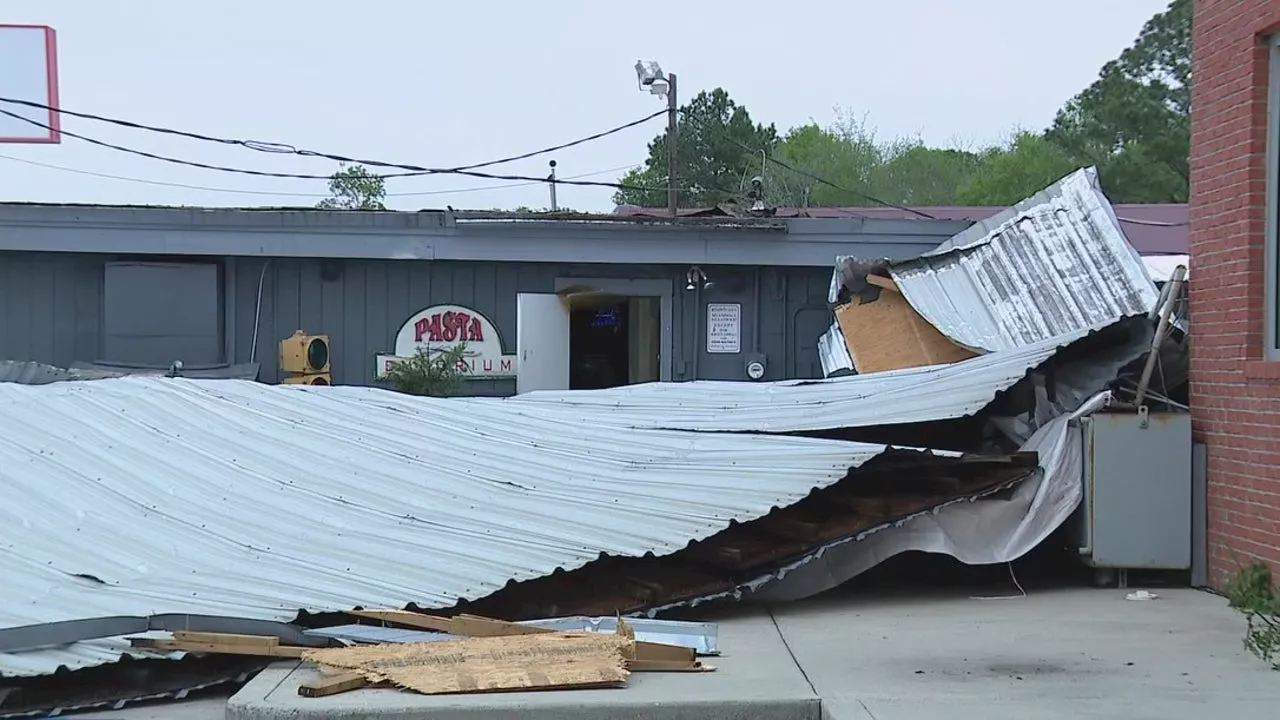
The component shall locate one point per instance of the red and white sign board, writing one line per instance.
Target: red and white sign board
(29, 71)
(441, 327)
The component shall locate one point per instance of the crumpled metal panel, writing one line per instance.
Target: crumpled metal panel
(833, 352)
(893, 397)
(144, 495)
(34, 373)
(1051, 265)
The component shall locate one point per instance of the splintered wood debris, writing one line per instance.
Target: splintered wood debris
(488, 656)
(489, 664)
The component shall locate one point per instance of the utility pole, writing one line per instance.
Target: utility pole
(652, 79)
(673, 145)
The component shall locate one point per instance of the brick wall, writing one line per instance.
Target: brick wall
(1235, 394)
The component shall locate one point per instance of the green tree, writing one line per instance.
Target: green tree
(353, 187)
(1133, 122)
(913, 174)
(847, 154)
(717, 155)
(1006, 175)
(843, 154)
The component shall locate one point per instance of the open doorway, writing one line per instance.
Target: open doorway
(613, 341)
(594, 333)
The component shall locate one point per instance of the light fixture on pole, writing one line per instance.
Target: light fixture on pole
(651, 78)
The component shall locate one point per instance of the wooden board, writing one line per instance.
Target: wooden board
(333, 684)
(219, 648)
(476, 626)
(543, 661)
(888, 334)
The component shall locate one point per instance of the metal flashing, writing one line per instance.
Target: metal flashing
(441, 235)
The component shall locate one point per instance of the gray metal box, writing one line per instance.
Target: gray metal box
(1136, 511)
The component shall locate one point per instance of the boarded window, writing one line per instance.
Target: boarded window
(156, 313)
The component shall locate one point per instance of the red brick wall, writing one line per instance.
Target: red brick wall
(1235, 394)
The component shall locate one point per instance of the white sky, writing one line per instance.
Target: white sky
(452, 83)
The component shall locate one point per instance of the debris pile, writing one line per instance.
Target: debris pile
(465, 654)
(1055, 263)
(226, 521)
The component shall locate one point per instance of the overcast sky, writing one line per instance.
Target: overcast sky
(445, 84)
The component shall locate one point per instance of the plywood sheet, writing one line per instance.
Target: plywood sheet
(543, 661)
(888, 334)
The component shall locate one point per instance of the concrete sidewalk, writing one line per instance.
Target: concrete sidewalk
(1079, 653)
(1076, 653)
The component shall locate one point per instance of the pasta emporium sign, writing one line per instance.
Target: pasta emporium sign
(441, 327)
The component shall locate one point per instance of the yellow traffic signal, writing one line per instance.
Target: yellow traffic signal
(306, 359)
(309, 379)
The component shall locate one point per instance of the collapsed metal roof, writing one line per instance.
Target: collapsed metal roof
(152, 495)
(1048, 266)
(147, 495)
(898, 397)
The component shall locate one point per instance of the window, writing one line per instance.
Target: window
(158, 312)
(1271, 331)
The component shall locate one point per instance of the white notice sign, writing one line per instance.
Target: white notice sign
(724, 328)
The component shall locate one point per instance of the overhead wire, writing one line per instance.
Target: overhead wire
(267, 193)
(414, 170)
(816, 178)
(287, 149)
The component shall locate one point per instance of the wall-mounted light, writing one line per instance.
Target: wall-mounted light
(695, 278)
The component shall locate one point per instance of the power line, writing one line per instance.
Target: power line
(238, 191)
(816, 178)
(287, 149)
(414, 170)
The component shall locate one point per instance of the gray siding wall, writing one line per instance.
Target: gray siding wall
(52, 309)
(363, 307)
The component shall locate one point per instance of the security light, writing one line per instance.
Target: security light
(650, 77)
(696, 278)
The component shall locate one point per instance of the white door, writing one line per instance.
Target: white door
(542, 342)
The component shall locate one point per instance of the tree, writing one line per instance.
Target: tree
(843, 154)
(353, 187)
(1133, 122)
(913, 174)
(848, 155)
(1007, 175)
(718, 152)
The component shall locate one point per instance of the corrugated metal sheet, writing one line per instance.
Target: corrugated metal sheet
(938, 392)
(1049, 266)
(145, 495)
(702, 637)
(833, 352)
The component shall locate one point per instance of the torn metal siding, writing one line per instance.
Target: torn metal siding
(149, 495)
(1047, 267)
(34, 373)
(833, 352)
(895, 397)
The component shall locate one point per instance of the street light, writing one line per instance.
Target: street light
(651, 78)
